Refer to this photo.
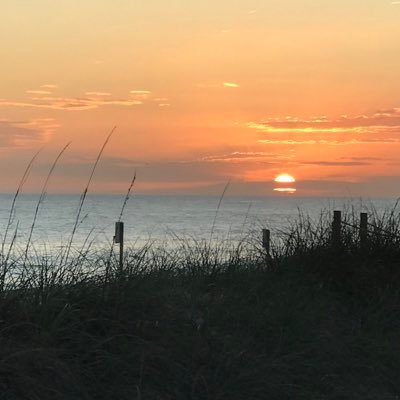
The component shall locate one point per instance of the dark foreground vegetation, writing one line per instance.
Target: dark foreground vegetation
(312, 322)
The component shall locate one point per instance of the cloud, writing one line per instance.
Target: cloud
(45, 89)
(140, 94)
(112, 169)
(97, 94)
(217, 85)
(379, 127)
(335, 163)
(360, 124)
(43, 99)
(70, 103)
(240, 156)
(287, 141)
(230, 84)
(330, 142)
(365, 158)
(24, 133)
(49, 86)
(161, 173)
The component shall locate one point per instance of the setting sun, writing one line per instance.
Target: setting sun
(284, 178)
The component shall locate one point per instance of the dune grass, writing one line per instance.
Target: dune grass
(201, 321)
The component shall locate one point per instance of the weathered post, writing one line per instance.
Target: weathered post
(363, 229)
(266, 238)
(119, 238)
(336, 228)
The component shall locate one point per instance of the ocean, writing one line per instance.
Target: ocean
(159, 219)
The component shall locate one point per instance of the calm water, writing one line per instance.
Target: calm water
(157, 218)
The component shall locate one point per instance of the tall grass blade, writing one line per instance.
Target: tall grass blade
(41, 198)
(128, 194)
(20, 185)
(5, 266)
(217, 210)
(83, 197)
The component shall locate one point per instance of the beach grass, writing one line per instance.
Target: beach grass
(203, 321)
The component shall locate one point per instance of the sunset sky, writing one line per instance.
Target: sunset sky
(202, 92)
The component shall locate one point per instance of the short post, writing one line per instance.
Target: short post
(363, 229)
(336, 228)
(119, 238)
(266, 238)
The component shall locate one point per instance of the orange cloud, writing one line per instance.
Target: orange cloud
(140, 94)
(375, 128)
(70, 103)
(23, 133)
(97, 94)
(240, 156)
(91, 100)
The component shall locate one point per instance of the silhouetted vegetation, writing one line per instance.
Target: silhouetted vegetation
(203, 321)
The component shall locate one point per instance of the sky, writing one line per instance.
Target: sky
(202, 93)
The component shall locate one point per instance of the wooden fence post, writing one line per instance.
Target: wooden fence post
(336, 228)
(119, 238)
(363, 229)
(266, 238)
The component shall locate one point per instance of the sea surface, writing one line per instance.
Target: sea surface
(160, 219)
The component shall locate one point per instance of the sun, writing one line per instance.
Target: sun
(284, 178)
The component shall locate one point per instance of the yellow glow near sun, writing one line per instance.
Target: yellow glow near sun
(284, 178)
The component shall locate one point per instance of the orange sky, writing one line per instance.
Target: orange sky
(202, 92)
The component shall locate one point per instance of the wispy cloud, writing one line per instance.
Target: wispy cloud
(335, 163)
(240, 156)
(143, 95)
(26, 132)
(49, 86)
(44, 99)
(379, 127)
(98, 94)
(365, 158)
(70, 103)
(140, 94)
(330, 142)
(231, 84)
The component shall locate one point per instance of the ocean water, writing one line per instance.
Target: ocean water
(160, 219)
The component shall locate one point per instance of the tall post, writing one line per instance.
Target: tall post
(363, 229)
(336, 228)
(119, 238)
(266, 239)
